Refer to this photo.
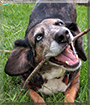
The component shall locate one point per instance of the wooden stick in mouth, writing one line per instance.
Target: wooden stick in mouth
(76, 37)
(81, 34)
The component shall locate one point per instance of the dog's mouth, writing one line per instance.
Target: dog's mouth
(67, 58)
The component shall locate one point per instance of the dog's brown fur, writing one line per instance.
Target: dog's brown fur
(72, 91)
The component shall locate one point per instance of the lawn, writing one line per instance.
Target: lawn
(14, 24)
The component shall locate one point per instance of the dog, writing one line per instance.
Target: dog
(50, 32)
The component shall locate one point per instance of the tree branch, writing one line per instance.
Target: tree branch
(6, 51)
(82, 33)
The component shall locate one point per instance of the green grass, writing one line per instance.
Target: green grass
(18, 14)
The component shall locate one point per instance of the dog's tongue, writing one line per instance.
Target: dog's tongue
(67, 56)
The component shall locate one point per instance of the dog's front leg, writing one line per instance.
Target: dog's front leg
(73, 89)
(36, 98)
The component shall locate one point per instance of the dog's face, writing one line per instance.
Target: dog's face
(50, 38)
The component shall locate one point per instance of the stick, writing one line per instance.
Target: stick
(6, 51)
(82, 33)
(15, 27)
(31, 75)
(33, 72)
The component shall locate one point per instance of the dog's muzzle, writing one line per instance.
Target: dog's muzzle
(68, 57)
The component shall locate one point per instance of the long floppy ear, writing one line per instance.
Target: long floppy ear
(20, 59)
(79, 49)
(79, 42)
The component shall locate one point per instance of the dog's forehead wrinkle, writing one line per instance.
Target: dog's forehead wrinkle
(55, 30)
(51, 21)
(38, 30)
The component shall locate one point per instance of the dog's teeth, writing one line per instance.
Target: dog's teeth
(70, 50)
(71, 42)
(76, 56)
(66, 62)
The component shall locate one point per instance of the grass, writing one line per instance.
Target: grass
(17, 15)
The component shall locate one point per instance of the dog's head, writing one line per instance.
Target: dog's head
(50, 38)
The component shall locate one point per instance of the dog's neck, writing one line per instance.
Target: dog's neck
(51, 71)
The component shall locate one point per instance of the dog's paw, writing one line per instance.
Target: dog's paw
(69, 100)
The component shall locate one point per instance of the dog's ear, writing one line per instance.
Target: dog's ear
(79, 49)
(73, 27)
(20, 59)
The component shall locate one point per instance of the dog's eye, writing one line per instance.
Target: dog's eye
(39, 37)
(59, 23)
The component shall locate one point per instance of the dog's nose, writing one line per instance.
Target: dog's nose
(62, 36)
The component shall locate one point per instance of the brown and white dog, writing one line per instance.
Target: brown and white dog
(51, 28)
